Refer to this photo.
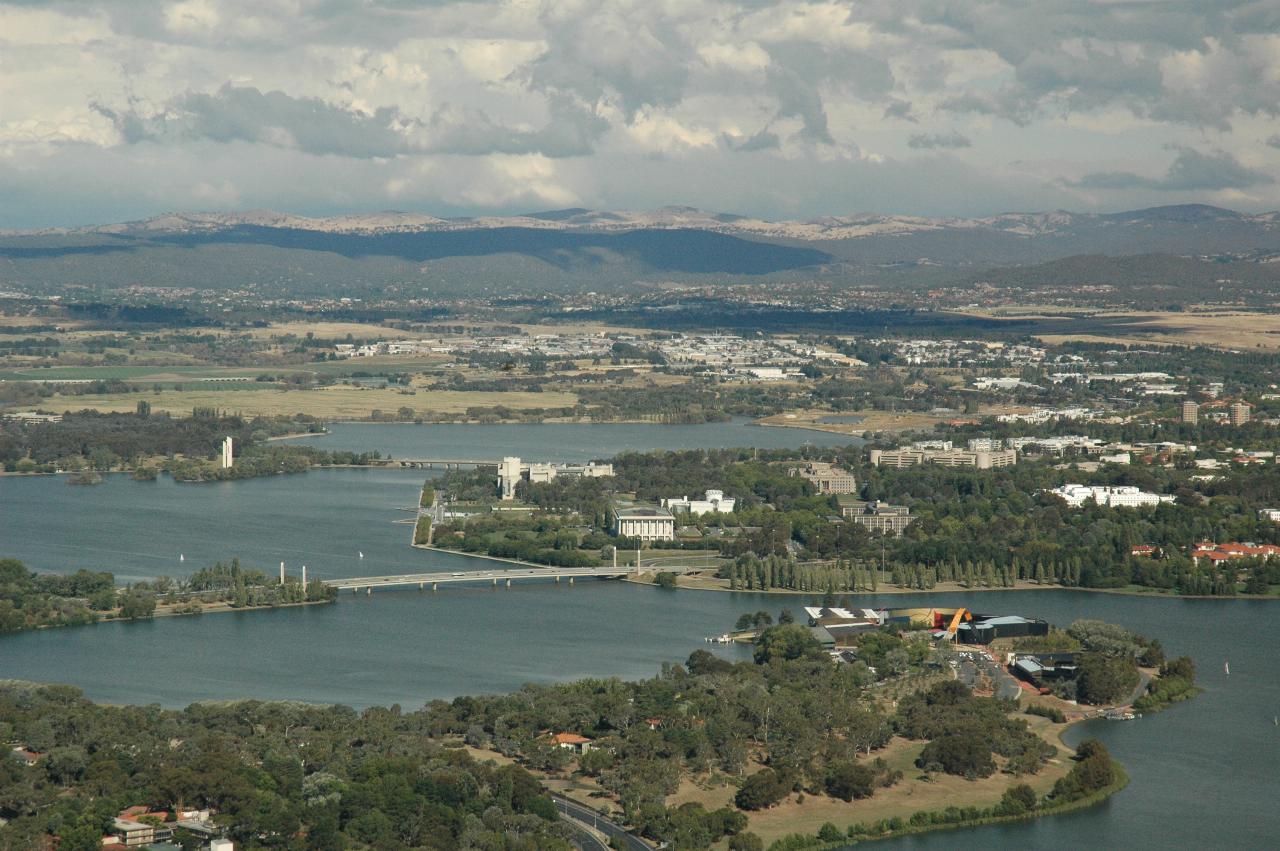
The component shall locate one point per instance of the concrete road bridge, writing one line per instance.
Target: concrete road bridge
(441, 463)
(494, 577)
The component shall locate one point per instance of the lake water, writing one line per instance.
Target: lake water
(1204, 774)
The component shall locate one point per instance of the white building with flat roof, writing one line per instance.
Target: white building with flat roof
(713, 501)
(1119, 496)
(648, 523)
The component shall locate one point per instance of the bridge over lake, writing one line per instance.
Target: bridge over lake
(494, 577)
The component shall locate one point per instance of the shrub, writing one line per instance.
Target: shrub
(830, 833)
(1105, 679)
(1051, 712)
(965, 754)
(1017, 800)
(763, 789)
(849, 780)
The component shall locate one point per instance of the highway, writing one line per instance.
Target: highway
(581, 814)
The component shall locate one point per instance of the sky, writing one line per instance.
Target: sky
(114, 110)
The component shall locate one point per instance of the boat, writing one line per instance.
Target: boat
(181, 557)
(361, 553)
(1226, 668)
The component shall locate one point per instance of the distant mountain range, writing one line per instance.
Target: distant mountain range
(576, 248)
(827, 228)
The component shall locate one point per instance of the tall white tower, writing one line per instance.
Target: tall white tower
(226, 453)
(508, 476)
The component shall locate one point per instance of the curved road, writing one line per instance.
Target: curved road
(584, 815)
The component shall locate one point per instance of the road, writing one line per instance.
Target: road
(582, 814)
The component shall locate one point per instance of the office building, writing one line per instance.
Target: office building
(877, 516)
(1190, 412)
(826, 478)
(909, 457)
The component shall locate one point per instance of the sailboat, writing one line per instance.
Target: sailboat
(1226, 668)
(361, 553)
(181, 557)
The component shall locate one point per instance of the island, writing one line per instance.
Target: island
(30, 600)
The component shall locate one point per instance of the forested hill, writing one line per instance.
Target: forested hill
(578, 250)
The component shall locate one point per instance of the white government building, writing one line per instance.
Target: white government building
(713, 501)
(1120, 496)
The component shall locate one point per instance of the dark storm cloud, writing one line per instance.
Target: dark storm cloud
(1190, 171)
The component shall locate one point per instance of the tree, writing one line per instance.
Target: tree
(962, 753)
(1017, 800)
(136, 604)
(746, 842)
(1183, 667)
(786, 643)
(84, 835)
(1105, 679)
(849, 780)
(763, 789)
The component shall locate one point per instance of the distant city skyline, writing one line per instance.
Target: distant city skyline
(123, 109)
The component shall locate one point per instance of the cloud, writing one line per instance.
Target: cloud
(1190, 171)
(572, 132)
(938, 140)
(245, 114)
(618, 102)
(765, 140)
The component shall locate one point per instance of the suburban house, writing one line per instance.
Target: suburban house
(572, 741)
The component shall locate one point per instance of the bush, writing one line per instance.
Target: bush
(787, 643)
(763, 789)
(1052, 713)
(849, 780)
(1105, 679)
(1017, 800)
(746, 842)
(1093, 771)
(830, 833)
(965, 754)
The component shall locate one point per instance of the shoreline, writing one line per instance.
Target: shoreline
(784, 592)
(213, 609)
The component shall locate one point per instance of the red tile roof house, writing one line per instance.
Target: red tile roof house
(571, 741)
(1222, 552)
(28, 758)
(1143, 550)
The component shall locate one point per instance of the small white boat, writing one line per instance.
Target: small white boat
(1226, 668)
(181, 557)
(361, 554)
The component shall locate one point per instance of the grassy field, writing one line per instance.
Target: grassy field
(872, 420)
(332, 403)
(1225, 329)
(908, 796)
